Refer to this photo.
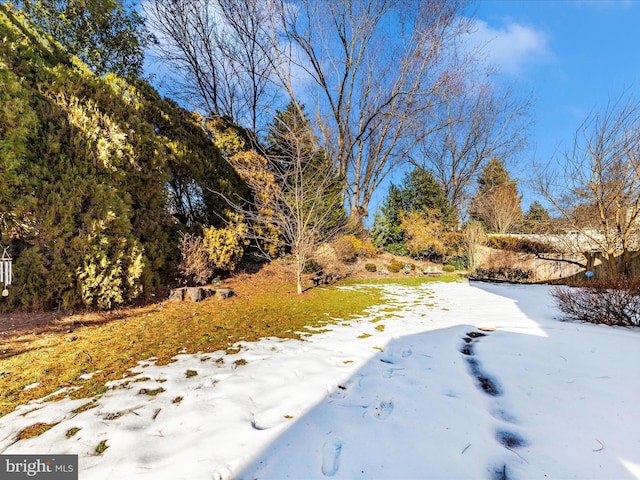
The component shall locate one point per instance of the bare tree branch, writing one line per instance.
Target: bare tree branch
(597, 188)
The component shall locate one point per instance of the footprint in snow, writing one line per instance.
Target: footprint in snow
(383, 409)
(268, 418)
(331, 456)
(390, 372)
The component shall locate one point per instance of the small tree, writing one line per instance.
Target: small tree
(195, 265)
(297, 192)
(426, 235)
(473, 237)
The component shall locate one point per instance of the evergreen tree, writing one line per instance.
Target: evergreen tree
(496, 203)
(537, 219)
(419, 204)
(422, 193)
(107, 35)
(387, 231)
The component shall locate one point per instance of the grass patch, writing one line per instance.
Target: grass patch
(364, 335)
(152, 393)
(35, 430)
(72, 431)
(112, 346)
(101, 447)
(191, 373)
(380, 328)
(407, 281)
(84, 408)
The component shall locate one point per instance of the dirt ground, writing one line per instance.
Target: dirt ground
(23, 327)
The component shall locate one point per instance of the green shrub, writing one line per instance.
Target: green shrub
(225, 246)
(449, 268)
(459, 263)
(311, 266)
(370, 267)
(395, 266)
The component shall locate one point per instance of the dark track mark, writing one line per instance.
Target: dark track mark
(486, 383)
(510, 439)
(500, 473)
(476, 334)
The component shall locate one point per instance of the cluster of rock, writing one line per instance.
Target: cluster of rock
(197, 294)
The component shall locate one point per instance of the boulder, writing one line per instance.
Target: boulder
(223, 293)
(194, 294)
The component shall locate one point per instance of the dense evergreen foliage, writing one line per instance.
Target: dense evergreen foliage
(107, 35)
(415, 217)
(87, 168)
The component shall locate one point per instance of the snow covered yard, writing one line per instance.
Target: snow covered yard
(442, 381)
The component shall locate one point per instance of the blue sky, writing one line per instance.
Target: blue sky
(572, 56)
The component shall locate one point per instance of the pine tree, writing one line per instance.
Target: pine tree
(537, 219)
(414, 217)
(496, 203)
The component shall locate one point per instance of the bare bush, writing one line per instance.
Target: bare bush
(195, 265)
(609, 302)
(504, 266)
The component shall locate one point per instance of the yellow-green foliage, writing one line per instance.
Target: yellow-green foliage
(349, 247)
(111, 271)
(225, 246)
(253, 169)
(395, 266)
(360, 246)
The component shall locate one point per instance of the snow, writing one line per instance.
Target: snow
(441, 381)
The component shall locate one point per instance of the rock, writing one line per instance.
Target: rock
(223, 293)
(194, 294)
(177, 294)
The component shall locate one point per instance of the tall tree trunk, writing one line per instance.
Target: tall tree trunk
(299, 268)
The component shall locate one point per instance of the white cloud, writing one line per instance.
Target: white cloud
(511, 47)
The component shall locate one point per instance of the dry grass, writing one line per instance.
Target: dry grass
(265, 305)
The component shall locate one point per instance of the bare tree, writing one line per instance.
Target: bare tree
(597, 187)
(297, 192)
(478, 123)
(216, 50)
(472, 239)
(498, 208)
(375, 68)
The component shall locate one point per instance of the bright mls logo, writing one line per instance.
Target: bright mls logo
(49, 467)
